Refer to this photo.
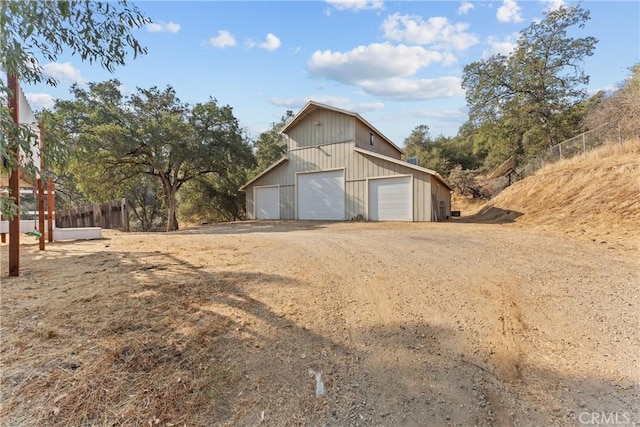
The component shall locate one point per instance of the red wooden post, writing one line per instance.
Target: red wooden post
(14, 182)
(51, 208)
(41, 212)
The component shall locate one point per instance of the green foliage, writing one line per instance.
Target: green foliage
(144, 196)
(215, 198)
(440, 154)
(271, 145)
(527, 97)
(33, 31)
(117, 143)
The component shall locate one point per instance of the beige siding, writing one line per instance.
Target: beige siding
(307, 159)
(322, 127)
(364, 167)
(380, 146)
(358, 167)
(440, 193)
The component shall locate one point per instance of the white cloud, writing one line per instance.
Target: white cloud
(270, 44)
(502, 46)
(509, 12)
(437, 31)
(465, 7)
(554, 4)
(64, 72)
(608, 89)
(377, 61)
(356, 5)
(38, 101)
(414, 89)
(163, 27)
(299, 102)
(334, 101)
(223, 39)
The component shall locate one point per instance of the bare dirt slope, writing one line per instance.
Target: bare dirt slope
(595, 196)
(409, 324)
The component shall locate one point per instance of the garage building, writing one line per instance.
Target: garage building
(339, 167)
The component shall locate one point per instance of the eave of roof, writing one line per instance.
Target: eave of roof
(264, 172)
(403, 163)
(313, 106)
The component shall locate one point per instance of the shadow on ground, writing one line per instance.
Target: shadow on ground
(245, 227)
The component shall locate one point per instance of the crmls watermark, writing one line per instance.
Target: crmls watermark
(604, 418)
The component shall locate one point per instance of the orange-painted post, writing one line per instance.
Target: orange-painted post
(51, 208)
(14, 182)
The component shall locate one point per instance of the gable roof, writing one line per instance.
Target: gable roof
(264, 172)
(405, 164)
(313, 106)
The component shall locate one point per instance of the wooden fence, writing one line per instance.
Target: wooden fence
(111, 215)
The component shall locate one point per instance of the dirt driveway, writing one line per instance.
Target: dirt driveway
(408, 324)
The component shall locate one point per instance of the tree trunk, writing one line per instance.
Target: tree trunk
(172, 219)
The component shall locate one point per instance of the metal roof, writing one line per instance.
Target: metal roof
(403, 163)
(264, 172)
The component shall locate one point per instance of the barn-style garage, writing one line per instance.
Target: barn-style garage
(339, 167)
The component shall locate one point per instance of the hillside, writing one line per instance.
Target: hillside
(597, 197)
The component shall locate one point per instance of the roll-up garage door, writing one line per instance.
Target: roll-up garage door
(320, 195)
(267, 202)
(390, 199)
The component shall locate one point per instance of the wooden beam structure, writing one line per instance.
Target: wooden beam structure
(41, 191)
(51, 208)
(14, 180)
(41, 214)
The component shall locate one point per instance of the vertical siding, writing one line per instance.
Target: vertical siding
(358, 168)
(287, 202)
(441, 193)
(308, 159)
(250, 204)
(379, 146)
(322, 127)
(371, 167)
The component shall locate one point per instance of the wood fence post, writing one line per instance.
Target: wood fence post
(14, 180)
(41, 212)
(125, 215)
(50, 209)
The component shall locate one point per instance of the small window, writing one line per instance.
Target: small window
(371, 139)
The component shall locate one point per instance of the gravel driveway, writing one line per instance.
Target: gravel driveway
(408, 324)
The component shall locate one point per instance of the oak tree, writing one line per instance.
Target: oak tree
(527, 90)
(37, 31)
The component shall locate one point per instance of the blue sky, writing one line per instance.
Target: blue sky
(398, 64)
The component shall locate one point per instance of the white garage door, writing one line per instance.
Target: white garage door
(390, 199)
(267, 202)
(321, 195)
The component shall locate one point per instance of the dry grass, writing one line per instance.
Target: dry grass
(467, 205)
(134, 346)
(164, 330)
(597, 196)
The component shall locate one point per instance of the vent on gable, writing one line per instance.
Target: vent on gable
(413, 160)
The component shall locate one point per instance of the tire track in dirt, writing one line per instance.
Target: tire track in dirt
(410, 324)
